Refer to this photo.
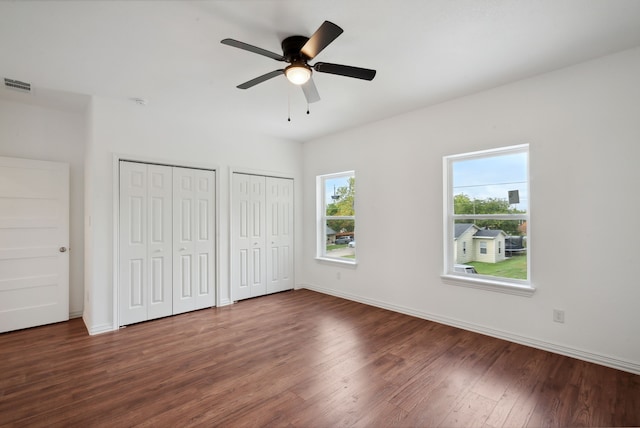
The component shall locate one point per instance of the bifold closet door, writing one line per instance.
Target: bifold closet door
(279, 239)
(145, 256)
(248, 258)
(193, 239)
(262, 235)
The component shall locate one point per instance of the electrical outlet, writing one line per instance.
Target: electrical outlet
(558, 315)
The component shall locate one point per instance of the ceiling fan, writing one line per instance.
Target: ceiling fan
(298, 51)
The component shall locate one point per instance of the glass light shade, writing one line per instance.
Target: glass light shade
(298, 74)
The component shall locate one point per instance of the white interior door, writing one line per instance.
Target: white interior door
(145, 256)
(279, 243)
(248, 258)
(34, 241)
(193, 239)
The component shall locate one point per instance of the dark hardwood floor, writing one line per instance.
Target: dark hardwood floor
(299, 359)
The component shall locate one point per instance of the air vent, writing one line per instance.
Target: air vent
(17, 85)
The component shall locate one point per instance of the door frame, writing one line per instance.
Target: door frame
(117, 157)
(260, 173)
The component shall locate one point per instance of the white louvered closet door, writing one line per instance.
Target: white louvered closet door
(193, 239)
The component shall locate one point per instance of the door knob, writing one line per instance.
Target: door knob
(63, 249)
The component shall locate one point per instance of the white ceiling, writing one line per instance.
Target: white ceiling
(425, 52)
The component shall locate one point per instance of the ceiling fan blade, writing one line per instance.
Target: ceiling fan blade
(260, 79)
(345, 70)
(311, 92)
(251, 48)
(323, 36)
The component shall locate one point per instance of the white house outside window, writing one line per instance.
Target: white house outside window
(486, 196)
(336, 217)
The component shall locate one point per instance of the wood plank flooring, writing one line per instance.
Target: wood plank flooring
(299, 359)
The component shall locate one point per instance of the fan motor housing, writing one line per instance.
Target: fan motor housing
(291, 48)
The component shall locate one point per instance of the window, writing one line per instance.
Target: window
(336, 217)
(487, 210)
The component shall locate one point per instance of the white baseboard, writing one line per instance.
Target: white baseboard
(580, 354)
(76, 314)
(98, 329)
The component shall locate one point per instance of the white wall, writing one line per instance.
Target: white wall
(159, 133)
(30, 131)
(583, 127)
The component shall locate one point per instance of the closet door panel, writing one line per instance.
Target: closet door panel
(132, 275)
(183, 240)
(241, 239)
(258, 236)
(145, 242)
(205, 293)
(279, 221)
(194, 249)
(159, 248)
(248, 259)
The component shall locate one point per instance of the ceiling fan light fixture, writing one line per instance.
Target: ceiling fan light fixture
(298, 73)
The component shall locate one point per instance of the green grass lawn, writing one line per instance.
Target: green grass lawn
(331, 247)
(514, 267)
(335, 247)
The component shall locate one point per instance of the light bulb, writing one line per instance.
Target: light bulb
(298, 74)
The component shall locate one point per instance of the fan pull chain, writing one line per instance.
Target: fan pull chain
(289, 107)
(307, 108)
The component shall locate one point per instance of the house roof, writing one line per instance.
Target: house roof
(488, 233)
(461, 228)
(330, 231)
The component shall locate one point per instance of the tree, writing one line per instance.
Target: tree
(343, 207)
(463, 204)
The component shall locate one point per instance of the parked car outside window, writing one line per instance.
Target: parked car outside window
(342, 240)
(464, 269)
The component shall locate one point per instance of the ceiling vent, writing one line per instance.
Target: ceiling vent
(17, 85)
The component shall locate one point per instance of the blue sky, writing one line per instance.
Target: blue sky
(330, 182)
(492, 177)
(481, 178)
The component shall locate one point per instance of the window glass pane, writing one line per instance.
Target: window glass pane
(340, 239)
(492, 247)
(490, 185)
(339, 196)
(337, 216)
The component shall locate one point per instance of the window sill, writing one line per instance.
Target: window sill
(337, 261)
(489, 284)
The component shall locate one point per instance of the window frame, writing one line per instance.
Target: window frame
(485, 282)
(322, 218)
